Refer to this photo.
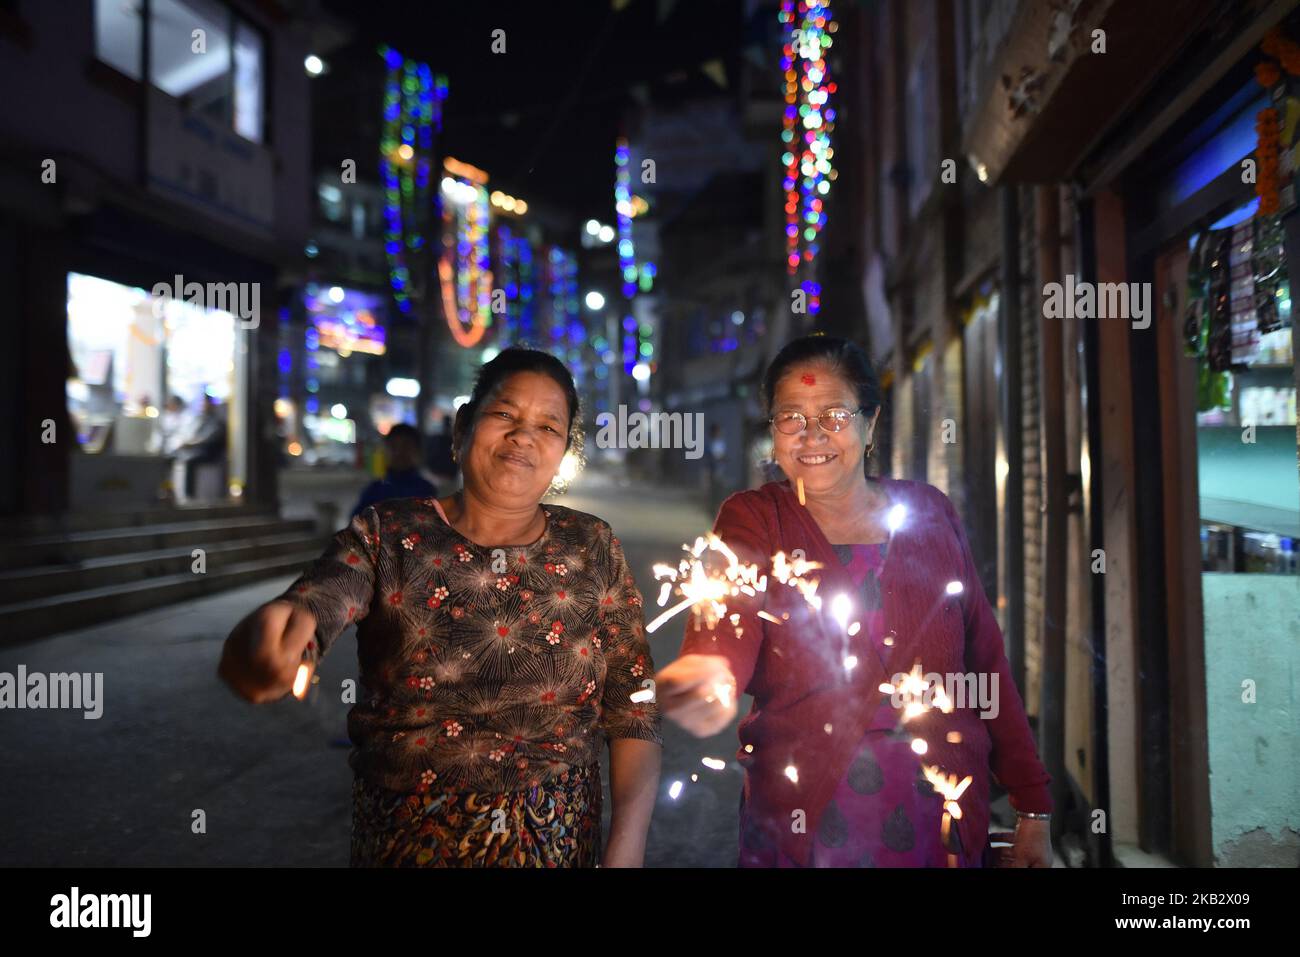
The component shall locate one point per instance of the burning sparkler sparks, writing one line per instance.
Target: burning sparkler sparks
(917, 695)
(840, 606)
(949, 789)
(723, 692)
(706, 590)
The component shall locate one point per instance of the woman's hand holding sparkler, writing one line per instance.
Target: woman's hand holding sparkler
(271, 653)
(698, 692)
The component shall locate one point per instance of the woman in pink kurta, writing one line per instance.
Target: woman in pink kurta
(832, 776)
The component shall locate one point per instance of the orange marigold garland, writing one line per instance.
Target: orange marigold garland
(1268, 125)
(1267, 73)
(1276, 44)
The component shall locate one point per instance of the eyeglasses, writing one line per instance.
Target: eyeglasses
(832, 420)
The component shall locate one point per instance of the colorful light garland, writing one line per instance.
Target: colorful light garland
(515, 256)
(413, 99)
(638, 339)
(566, 334)
(807, 127)
(466, 285)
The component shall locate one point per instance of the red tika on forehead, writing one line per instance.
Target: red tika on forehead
(809, 380)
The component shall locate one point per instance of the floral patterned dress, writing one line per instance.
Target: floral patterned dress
(884, 813)
(493, 677)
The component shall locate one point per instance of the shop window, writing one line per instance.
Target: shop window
(118, 34)
(224, 79)
(152, 379)
(199, 79)
(249, 59)
(1239, 328)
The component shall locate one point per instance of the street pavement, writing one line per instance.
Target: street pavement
(179, 772)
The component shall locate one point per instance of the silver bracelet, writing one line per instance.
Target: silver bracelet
(1033, 817)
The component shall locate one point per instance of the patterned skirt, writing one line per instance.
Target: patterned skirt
(555, 824)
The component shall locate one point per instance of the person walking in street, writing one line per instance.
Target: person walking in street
(504, 641)
(403, 477)
(717, 466)
(898, 587)
(440, 461)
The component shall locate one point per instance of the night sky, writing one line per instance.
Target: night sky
(543, 117)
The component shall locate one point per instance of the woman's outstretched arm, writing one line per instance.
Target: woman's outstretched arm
(261, 656)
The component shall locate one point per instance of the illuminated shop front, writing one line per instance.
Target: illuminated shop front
(143, 368)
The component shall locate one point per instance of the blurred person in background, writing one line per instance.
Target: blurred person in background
(441, 461)
(171, 425)
(717, 466)
(403, 477)
(204, 444)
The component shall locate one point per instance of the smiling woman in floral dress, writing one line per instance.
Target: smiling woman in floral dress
(501, 641)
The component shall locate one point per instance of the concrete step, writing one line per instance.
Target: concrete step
(71, 548)
(26, 621)
(89, 520)
(30, 584)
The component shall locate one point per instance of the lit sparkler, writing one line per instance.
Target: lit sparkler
(919, 696)
(306, 674)
(301, 681)
(705, 584)
(950, 789)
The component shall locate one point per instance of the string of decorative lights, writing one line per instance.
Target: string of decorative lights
(638, 339)
(413, 99)
(466, 285)
(566, 332)
(626, 249)
(807, 125)
(515, 256)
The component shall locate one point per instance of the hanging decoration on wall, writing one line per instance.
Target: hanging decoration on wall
(412, 113)
(1277, 127)
(806, 131)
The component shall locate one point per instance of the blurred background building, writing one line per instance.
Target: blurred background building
(1136, 538)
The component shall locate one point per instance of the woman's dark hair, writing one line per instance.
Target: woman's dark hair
(845, 357)
(508, 362)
